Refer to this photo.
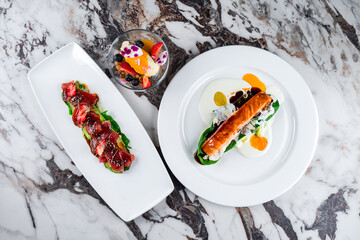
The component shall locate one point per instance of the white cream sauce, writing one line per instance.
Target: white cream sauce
(226, 86)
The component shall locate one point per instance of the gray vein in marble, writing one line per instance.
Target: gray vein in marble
(325, 221)
(252, 232)
(278, 217)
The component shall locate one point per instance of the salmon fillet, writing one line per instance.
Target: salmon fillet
(226, 132)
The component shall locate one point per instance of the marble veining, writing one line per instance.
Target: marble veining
(44, 196)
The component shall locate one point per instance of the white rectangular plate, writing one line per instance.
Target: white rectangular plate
(131, 193)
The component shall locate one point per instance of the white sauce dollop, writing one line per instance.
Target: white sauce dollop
(226, 86)
(248, 151)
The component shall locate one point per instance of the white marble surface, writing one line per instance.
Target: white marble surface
(44, 196)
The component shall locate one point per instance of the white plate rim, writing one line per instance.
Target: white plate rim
(237, 196)
(126, 216)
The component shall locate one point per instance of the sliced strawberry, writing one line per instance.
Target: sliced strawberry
(146, 82)
(82, 111)
(100, 147)
(71, 90)
(127, 68)
(79, 115)
(156, 49)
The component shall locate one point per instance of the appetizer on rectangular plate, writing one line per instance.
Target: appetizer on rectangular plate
(101, 131)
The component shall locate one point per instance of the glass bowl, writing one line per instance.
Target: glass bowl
(132, 36)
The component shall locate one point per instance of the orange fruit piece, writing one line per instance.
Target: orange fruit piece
(147, 45)
(139, 64)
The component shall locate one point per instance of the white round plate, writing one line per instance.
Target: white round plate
(236, 180)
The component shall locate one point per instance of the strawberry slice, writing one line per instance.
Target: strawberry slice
(82, 111)
(100, 147)
(71, 90)
(146, 82)
(156, 49)
(127, 68)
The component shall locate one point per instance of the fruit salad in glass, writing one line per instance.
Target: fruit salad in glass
(140, 61)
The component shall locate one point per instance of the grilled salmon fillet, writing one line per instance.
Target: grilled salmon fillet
(226, 132)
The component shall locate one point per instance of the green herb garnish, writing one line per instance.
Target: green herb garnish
(114, 124)
(126, 142)
(201, 142)
(230, 146)
(68, 104)
(276, 106)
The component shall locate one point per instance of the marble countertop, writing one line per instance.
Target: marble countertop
(43, 194)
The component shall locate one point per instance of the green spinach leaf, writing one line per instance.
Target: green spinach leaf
(230, 146)
(68, 104)
(114, 124)
(276, 106)
(201, 142)
(126, 142)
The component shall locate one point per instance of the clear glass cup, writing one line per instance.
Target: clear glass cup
(132, 36)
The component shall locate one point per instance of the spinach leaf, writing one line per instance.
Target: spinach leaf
(276, 106)
(241, 136)
(233, 143)
(201, 142)
(104, 116)
(115, 127)
(81, 86)
(256, 128)
(230, 146)
(114, 124)
(69, 106)
(126, 142)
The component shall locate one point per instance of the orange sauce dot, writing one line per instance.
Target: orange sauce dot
(220, 99)
(254, 81)
(258, 143)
